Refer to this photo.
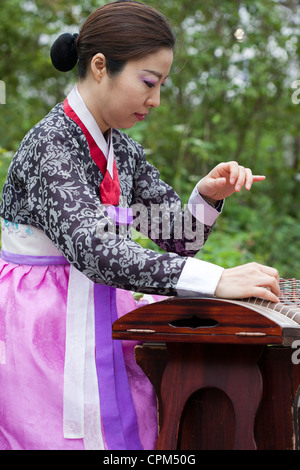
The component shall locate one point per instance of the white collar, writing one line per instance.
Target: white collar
(79, 107)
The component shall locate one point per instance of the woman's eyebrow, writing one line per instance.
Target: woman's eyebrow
(157, 74)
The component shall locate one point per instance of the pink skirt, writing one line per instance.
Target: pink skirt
(33, 302)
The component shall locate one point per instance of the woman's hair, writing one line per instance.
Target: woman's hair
(121, 31)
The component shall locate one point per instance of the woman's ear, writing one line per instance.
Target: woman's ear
(98, 66)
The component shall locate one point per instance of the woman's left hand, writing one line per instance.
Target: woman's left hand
(226, 179)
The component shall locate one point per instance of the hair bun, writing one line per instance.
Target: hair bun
(64, 53)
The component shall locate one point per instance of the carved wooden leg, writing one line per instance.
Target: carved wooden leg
(230, 368)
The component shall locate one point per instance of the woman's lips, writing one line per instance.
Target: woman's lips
(140, 117)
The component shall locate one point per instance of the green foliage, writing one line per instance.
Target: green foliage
(226, 99)
(5, 158)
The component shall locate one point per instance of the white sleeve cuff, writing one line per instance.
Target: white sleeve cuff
(202, 210)
(198, 278)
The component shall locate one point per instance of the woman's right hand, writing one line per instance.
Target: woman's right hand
(249, 280)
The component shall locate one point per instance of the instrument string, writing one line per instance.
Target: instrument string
(289, 291)
(289, 299)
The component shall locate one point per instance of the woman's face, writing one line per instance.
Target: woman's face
(125, 99)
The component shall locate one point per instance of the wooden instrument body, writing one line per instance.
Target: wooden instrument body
(222, 372)
(203, 320)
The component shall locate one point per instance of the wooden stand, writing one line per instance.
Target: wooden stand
(230, 393)
(243, 398)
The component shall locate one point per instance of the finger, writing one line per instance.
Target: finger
(270, 282)
(228, 170)
(266, 294)
(219, 182)
(234, 172)
(267, 278)
(249, 179)
(269, 271)
(273, 285)
(241, 178)
(257, 178)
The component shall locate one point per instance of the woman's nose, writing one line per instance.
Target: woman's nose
(153, 100)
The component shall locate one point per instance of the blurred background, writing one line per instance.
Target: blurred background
(233, 94)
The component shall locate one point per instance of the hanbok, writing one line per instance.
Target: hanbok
(65, 384)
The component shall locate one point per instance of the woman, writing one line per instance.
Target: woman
(68, 263)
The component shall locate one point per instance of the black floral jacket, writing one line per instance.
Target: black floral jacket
(53, 184)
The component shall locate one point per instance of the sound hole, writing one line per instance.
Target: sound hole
(194, 322)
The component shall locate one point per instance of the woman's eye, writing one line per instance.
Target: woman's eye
(149, 84)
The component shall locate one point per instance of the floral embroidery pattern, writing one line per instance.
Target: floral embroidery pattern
(23, 231)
